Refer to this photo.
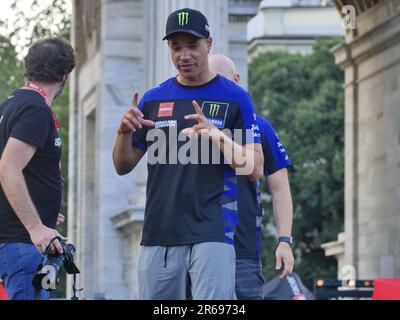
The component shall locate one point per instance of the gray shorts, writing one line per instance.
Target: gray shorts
(249, 279)
(202, 271)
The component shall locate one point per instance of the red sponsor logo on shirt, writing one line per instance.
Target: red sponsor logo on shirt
(166, 109)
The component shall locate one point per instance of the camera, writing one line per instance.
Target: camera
(48, 272)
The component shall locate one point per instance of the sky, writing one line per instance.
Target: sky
(26, 5)
(6, 4)
(6, 10)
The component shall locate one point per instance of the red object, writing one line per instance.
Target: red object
(386, 289)
(43, 93)
(166, 109)
(3, 293)
(38, 89)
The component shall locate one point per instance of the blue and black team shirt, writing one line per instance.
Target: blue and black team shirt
(192, 203)
(248, 235)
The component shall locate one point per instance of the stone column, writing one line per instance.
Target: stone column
(122, 60)
(240, 12)
(108, 38)
(84, 98)
(371, 59)
(351, 153)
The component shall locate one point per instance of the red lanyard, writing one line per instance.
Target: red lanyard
(43, 93)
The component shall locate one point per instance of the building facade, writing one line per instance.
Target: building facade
(370, 57)
(292, 25)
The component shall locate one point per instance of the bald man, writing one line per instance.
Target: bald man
(225, 67)
(247, 240)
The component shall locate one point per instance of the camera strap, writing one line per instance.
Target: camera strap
(47, 251)
(75, 290)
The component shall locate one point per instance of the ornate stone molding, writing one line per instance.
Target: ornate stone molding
(335, 248)
(242, 18)
(360, 5)
(242, 10)
(128, 219)
(370, 43)
(378, 39)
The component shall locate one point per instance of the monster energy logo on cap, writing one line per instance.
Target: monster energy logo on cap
(214, 109)
(189, 21)
(183, 18)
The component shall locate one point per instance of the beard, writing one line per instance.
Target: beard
(60, 90)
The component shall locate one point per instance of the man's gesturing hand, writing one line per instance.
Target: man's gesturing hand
(133, 119)
(202, 127)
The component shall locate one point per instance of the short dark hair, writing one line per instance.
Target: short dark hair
(49, 60)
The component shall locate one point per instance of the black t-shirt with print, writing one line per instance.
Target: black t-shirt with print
(25, 116)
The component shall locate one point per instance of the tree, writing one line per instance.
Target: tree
(48, 19)
(11, 75)
(302, 96)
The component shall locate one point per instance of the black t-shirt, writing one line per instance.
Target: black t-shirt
(248, 234)
(25, 116)
(192, 203)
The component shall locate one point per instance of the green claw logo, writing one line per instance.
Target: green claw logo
(214, 109)
(183, 18)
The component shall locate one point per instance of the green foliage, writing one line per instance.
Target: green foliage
(48, 21)
(11, 75)
(302, 96)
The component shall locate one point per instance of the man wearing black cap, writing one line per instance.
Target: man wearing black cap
(191, 208)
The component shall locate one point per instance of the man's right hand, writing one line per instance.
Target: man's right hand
(133, 119)
(41, 237)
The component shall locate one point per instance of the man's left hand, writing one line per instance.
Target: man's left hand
(284, 255)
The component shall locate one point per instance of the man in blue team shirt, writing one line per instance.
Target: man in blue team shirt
(191, 209)
(249, 279)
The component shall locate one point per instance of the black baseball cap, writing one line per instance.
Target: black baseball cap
(188, 21)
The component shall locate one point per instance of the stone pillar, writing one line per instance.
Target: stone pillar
(240, 12)
(122, 60)
(84, 90)
(351, 154)
(371, 59)
(108, 38)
